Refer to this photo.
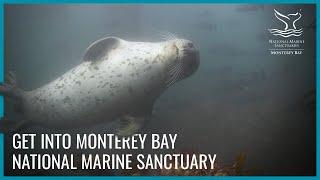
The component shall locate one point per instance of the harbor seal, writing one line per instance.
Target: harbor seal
(117, 80)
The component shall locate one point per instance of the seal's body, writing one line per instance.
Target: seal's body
(118, 79)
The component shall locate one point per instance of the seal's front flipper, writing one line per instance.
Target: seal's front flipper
(100, 49)
(10, 87)
(130, 125)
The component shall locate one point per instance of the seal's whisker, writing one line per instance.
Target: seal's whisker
(165, 35)
(174, 35)
(171, 79)
(168, 35)
(176, 77)
(175, 74)
(180, 74)
(174, 69)
(175, 66)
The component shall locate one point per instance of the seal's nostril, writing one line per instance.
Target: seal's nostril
(190, 44)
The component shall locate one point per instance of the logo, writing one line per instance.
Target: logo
(289, 21)
(293, 44)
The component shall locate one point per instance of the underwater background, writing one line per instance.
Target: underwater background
(240, 100)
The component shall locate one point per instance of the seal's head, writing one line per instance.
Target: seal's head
(183, 59)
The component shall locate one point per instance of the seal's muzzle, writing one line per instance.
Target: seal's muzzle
(187, 61)
(188, 57)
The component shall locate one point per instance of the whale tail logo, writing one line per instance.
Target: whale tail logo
(289, 21)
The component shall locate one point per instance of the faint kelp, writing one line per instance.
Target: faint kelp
(235, 169)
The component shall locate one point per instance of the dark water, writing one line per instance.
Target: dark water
(241, 99)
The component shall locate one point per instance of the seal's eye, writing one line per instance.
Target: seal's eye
(190, 45)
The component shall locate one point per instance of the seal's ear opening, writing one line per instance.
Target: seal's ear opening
(100, 49)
